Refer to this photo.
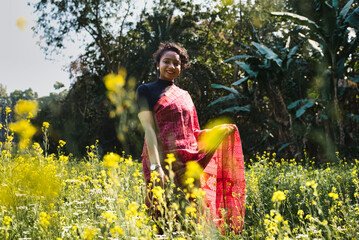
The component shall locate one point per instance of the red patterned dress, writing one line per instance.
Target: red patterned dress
(223, 177)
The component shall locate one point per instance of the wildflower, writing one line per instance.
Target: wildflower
(62, 143)
(7, 110)
(44, 219)
(170, 158)
(158, 192)
(90, 233)
(114, 81)
(109, 216)
(136, 173)
(189, 182)
(111, 160)
(194, 170)
(21, 23)
(117, 230)
(191, 210)
(311, 184)
(25, 130)
(45, 125)
(174, 206)
(278, 217)
(36, 146)
(26, 108)
(278, 196)
(7, 220)
(333, 195)
(300, 213)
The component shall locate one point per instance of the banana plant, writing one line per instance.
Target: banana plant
(267, 70)
(334, 35)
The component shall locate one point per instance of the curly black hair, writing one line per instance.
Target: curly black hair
(168, 46)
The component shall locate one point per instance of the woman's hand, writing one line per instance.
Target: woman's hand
(161, 175)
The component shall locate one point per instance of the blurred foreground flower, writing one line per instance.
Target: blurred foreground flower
(25, 130)
(111, 160)
(26, 109)
(194, 170)
(114, 81)
(21, 23)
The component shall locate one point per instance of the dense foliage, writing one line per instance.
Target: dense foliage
(287, 79)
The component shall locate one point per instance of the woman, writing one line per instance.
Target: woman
(170, 122)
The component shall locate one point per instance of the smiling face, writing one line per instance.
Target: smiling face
(169, 66)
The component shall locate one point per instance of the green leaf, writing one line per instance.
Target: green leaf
(235, 110)
(335, 4)
(229, 97)
(302, 110)
(224, 87)
(236, 83)
(346, 9)
(341, 67)
(266, 136)
(247, 68)
(293, 51)
(329, 16)
(298, 19)
(353, 18)
(294, 104)
(268, 53)
(245, 57)
(284, 146)
(316, 46)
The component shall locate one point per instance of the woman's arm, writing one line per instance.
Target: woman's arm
(148, 124)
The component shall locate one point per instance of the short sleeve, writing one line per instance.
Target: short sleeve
(143, 97)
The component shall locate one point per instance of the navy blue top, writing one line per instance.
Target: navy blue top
(148, 94)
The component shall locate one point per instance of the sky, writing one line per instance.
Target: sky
(22, 62)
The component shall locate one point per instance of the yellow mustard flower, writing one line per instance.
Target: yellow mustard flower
(170, 158)
(7, 220)
(117, 230)
(114, 81)
(45, 125)
(278, 196)
(109, 216)
(333, 195)
(194, 170)
(26, 108)
(62, 143)
(44, 219)
(158, 192)
(90, 233)
(111, 160)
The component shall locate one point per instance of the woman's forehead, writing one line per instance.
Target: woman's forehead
(171, 55)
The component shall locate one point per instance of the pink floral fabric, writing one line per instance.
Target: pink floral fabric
(223, 177)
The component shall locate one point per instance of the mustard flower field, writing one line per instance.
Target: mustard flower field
(55, 196)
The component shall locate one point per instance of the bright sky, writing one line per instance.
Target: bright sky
(22, 62)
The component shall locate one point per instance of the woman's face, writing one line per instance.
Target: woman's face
(169, 66)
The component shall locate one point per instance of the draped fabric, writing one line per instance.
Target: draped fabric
(223, 176)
